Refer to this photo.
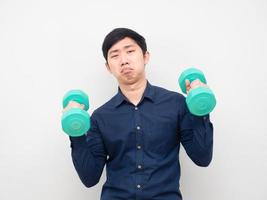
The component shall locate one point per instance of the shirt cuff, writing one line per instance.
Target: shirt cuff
(200, 120)
(78, 141)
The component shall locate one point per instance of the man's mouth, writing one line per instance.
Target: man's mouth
(126, 70)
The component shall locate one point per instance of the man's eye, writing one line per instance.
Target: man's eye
(130, 51)
(114, 56)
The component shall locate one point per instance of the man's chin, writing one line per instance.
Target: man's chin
(129, 81)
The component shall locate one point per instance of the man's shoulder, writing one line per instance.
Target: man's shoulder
(164, 92)
(108, 106)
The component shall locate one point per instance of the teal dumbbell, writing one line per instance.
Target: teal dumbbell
(76, 122)
(201, 100)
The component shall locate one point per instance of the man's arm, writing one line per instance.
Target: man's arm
(89, 155)
(196, 136)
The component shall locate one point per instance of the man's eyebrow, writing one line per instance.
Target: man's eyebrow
(125, 47)
(128, 46)
(113, 51)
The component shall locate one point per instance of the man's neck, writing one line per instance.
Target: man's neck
(135, 91)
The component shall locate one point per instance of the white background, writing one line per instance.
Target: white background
(48, 47)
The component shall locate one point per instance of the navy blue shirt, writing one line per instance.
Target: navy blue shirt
(140, 145)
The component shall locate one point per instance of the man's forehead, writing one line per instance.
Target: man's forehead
(123, 44)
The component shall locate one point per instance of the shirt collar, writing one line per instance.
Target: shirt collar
(149, 93)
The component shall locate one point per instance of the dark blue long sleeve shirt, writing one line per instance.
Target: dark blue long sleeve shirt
(140, 145)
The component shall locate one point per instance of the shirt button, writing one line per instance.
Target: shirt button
(139, 166)
(138, 186)
(138, 147)
(136, 108)
(138, 127)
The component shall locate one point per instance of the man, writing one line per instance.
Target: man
(138, 132)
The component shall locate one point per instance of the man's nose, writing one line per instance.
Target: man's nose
(124, 60)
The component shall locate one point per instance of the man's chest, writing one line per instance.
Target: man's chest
(153, 128)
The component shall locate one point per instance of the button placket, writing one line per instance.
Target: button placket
(139, 152)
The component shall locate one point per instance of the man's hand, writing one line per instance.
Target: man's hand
(72, 104)
(194, 84)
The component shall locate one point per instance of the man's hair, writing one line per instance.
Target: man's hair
(118, 34)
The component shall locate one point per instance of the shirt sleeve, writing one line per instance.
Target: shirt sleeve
(196, 134)
(89, 155)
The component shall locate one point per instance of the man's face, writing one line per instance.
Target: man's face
(126, 61)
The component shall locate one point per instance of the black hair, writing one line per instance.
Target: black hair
(118, 34)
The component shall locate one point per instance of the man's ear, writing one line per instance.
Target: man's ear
(146, 57)
(107, 66)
